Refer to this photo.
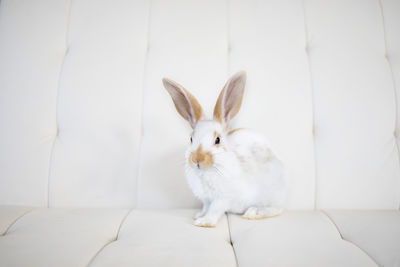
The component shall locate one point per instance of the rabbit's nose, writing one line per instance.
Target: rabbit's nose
(196, 162)
(201, 158)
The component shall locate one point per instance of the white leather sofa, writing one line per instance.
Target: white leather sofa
(92, 148)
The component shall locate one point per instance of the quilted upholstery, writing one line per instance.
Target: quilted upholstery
(167, 238)
(375, 232)
(91, 146)
(9, 215)
(297, 238)
(355, 108)
(121, 237)
(101, 119)
(32, 49)
(59, 237)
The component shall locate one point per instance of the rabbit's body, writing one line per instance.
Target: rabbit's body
(247, 175)
(229, 171)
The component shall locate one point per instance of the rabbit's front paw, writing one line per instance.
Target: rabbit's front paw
(205, 222)
(198, 214)
(256, 213)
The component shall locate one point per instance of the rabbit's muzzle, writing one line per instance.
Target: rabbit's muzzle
(201, 159)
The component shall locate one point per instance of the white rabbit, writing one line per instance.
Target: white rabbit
(228, 171)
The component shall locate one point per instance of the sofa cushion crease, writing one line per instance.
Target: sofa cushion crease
(10, 215)
(59, 237)
(168, 238)
(296, 238)
(375, 232)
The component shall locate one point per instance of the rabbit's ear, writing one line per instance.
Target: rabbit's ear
(186, 104)
(230, 99)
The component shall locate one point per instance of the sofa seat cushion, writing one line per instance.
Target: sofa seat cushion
(59, 237)
(168, 238)
(375, 232)
(296, 238)
(120, 237)
(9, 215)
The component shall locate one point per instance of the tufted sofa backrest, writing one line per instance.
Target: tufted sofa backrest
(85, 121)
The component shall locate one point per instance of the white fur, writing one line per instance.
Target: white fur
(246, 176)
(241, 178)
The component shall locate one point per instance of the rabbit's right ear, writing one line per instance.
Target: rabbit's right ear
(230, 99)
(186, 104)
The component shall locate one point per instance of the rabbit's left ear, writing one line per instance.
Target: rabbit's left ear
(230, 99)
(186, 104)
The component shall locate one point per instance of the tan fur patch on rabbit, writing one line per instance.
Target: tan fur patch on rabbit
(203, 157)
(198, 111)
(261, 154)
(234, 131)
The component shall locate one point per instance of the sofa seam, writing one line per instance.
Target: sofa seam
(228, 68)
(112, 240)
(308, 60)
(51, 159)
(395, 93)
(231, 240)
(15, 221)
(228, 38)
(145, 65)
(344, 239)
(122, 222)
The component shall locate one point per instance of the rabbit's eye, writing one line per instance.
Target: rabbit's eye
(191, 140)
(217, 140)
